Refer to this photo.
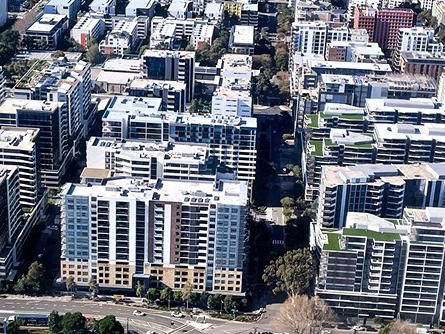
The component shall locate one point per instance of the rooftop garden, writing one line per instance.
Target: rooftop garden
(377, 236)
(333, 242)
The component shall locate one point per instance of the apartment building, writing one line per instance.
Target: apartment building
(438, 11)
(88, 29)
(170, 66)
(249, 14)
(104, 7)
(414, 40)
(309, 37)
(232, 139)
(382, 190)
(55, 148)
(172, 93)
(136, 8)
(360, 266)
(19, 148)
(46, 32)
(61, 81)
(169, 232)
(232, 97)
(10, 217)
(414, 111)
(407, 143)
(355, 52)
(385, 268)
(121, 39)
(422, 62)
(152, 161)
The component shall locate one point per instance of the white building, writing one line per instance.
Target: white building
(202, 35)
(69, 8)
(18, 147)
(309, 38)
(121, 39)
(242, 39)
(140, 8)
(88, 29)
(213, 11)
(46, 32)
(416, 39)
(180, 9)
(105, 7)
(164, 233)
(233, 97)
(438, 11)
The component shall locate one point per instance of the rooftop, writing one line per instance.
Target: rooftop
(18, 138)
(243, 35)
(229, 192)
(46, 23)
(11, 105)
(377, 236)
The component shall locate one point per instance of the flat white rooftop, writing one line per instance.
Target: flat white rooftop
(46, 23)
(243, 35)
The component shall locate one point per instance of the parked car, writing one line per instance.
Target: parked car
(358, 328)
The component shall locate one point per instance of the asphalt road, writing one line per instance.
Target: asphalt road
(157, 321)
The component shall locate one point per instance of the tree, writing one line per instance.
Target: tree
(398, 327)
(214, 302)
(284, 20)
(166, 294)
(203, 299)
(109, 325)
(301, 314)
(57, 54)
(55, 322)
(153, 294)
(288, 212)
(177, 296)
(73, 323)
(70, 283)
(33, 281)
(139, 289)
(282, 57)
(292, 273)
(93, 287)
(262, 60)
(229, 303)
(186, 292)
(93, 54)
(287, 202)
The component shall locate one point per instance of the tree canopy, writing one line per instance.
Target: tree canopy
(109, 325)
(292, 273)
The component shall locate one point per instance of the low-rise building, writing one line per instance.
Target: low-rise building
(140, 8)
(88, 29)
(103, 7)
(47, 31)
(121, 39)
(69, 8)
(116, 75)
(242, 39)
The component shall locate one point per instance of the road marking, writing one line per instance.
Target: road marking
(7, 311)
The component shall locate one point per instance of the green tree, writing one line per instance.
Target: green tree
(398, 327)
(153, 294)
(177, 296)
(55, 322)
(58, 54)
(229, 303)
(69, 283)
(166, 294)
(73, 323)
(93, 54)
(262, 60)
(109, 325)
(284, 20)
(139, 289)
(214, 302)
(292, 273)
(203, 299)
(282, 58)
(288, 212)
(33, 281)
(186, 291)
(287, 202)
(93, 287)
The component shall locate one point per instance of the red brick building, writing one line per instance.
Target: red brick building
(383, 25)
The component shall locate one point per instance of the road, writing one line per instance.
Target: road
(158, 321)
